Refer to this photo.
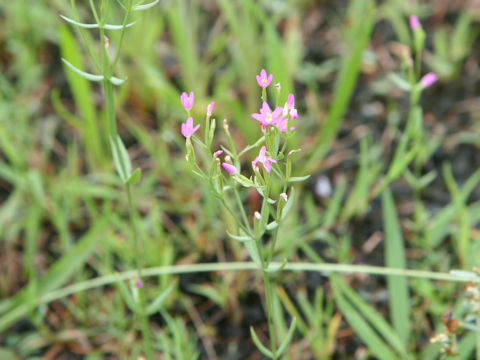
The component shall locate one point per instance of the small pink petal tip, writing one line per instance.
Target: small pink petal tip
(428, 80)
(230, 168)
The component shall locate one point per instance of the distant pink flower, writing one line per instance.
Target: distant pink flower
(217, 153)
(210, 108)
(230, 168)
(267, 116)
(187, 100)
(277, 85)
(263, 79)
(265, 160)
(188, 129)
(428, 80)
(139, 283)
(414, 22)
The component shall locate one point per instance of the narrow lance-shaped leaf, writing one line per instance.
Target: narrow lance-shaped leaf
(259, 344)
(145, 6)
(83, 74)
(96, 26)
(395, 258)
(288, 338)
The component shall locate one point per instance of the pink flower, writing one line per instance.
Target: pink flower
(210, 108)
(263, 79)
(428, 80)
(267, 116)
(282, 125)
(217, 153)
(230, 168)
(293, 114)
(188, 129)
(187, 100)
(265, 160)
(414, 22)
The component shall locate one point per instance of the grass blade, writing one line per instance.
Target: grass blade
(395, 258)
(363, 17)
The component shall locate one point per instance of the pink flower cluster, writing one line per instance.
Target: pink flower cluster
(279, 116)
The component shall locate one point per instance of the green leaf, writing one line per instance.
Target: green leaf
(259, 344)
(399, 81)
(96, 26)
(272, 226)
(121, 159)
(83, 74)
(395, 258)
(371, 315)
(135, 177)
(298, 178)
(288, 338)
(242, 180)
(156, 304)
(368, 335)
(127, 297)
(145, 6)
(279, 267)
(240, 238)
(58, 273)
(358, 29)
(253, 251)
(117, 81)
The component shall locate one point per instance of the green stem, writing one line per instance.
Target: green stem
(269, 302)
(122, 35)
(141, 290)
(10, 313)
(242, 209)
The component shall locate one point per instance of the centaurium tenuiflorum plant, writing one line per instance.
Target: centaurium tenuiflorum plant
(106, 66)
(269, 174)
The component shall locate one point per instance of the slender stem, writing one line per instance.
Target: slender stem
(242, 209)
(242, 266)
(269, 301)
(122, 35)
(141, 290)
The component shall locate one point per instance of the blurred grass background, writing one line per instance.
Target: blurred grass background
(63, 215)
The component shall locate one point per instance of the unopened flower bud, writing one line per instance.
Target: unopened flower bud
(293, 152)
(225, 125)
(257, 215)
(414, 22)
(210, 108)
(229, 168)
(428, 80)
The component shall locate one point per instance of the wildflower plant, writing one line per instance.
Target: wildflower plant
(269, 174)
(106, 66)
